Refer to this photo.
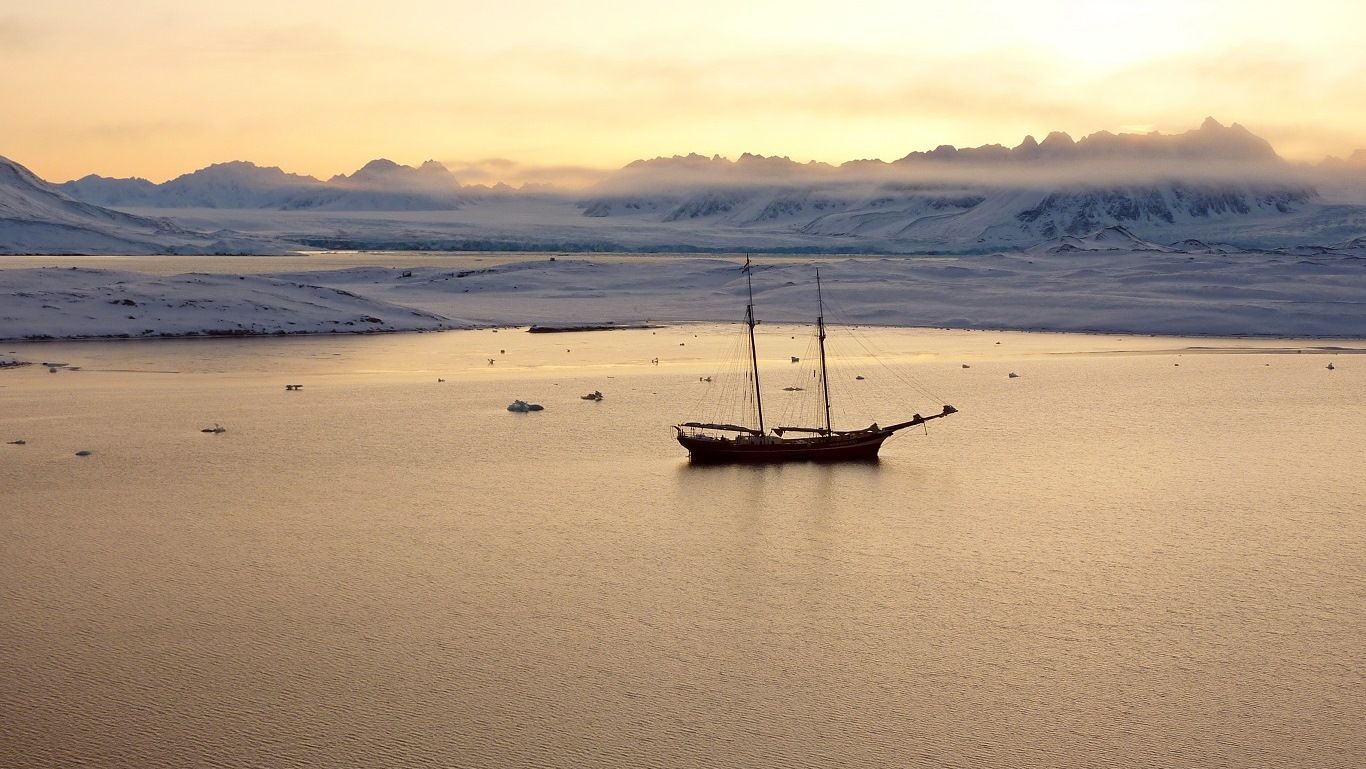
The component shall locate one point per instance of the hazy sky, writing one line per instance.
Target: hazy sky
(159, 87)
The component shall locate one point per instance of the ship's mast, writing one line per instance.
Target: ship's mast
(820, 334)
(753, 351)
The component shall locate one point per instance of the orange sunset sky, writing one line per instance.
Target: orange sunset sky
(156, 88)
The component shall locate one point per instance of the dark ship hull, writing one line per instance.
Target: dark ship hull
(756, 450)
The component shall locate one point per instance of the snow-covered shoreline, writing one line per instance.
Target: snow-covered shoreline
(49, 304)
(1063, 288)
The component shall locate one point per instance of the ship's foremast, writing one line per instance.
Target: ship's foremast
(820, 335)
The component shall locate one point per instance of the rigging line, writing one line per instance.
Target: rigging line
(798, 405)
(844, 397)
(730, 405)
(907, 379)
(726, 393)
(710, 391)
(866, 345)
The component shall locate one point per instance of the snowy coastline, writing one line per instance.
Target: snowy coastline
(77, 303)
(1067, 287)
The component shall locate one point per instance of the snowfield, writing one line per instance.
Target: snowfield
(72, 303)
(1108, 282)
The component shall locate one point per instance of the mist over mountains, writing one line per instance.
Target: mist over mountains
(1212, 151)
(1214, 182)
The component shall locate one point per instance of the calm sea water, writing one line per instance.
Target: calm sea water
(1134, 554)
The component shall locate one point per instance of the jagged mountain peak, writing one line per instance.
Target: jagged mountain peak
(383, 174)
(378, 165)
(385, 166)
(242, 171)
(1212, 142)
(379, 185)
(692, 160)
(1057, 139)
(94, 178)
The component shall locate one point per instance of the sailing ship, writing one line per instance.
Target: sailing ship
(710, 442)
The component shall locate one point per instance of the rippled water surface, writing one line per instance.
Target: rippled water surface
(1134, 554)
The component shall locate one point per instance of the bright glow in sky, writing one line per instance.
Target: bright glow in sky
(156, 88)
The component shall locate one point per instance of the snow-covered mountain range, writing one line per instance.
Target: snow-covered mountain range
(380, 185)
(1211, 179)
(1214, 183)
(35, 218)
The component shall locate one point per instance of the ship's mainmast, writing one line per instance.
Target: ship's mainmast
(753, 351)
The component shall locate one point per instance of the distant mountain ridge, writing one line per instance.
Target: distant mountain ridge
(36, 218)
(1212, 142)
(989, 196)
(1215, 183)
(383, 184)
(380, 185)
